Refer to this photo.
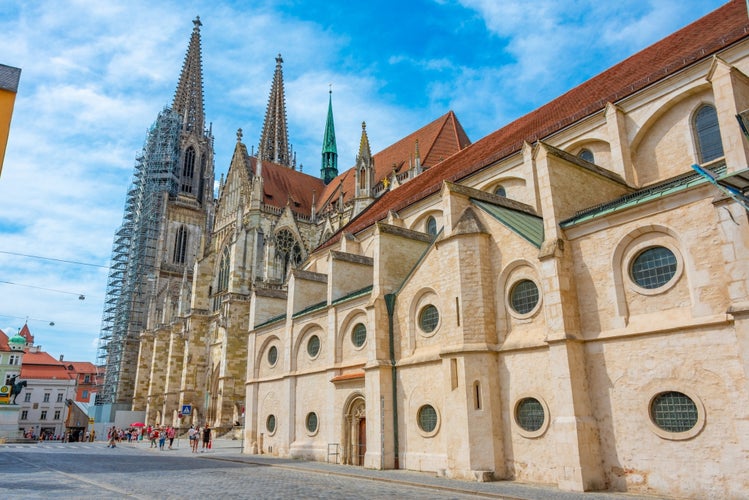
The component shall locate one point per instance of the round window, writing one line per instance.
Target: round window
(313, 346)
(674, 412)
(524, 296)
(359, 335)
(529, 414)
(429, 317)
(311, 422)
(270, 424)
(653, 267)
(272, 355)
(427, 418)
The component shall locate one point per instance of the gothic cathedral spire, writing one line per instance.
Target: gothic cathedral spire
(274, 140)
(188, 99)
(329, 169)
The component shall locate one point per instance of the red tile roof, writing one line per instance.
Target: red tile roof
(283, 186)
(699, 40)
(437, 140)
(4, 342)
(40, 365)
(26, 333)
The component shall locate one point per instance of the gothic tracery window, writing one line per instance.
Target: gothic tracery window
(288, 250)
(180, 245)
(188, 170)
(223, 271)
(707, 134)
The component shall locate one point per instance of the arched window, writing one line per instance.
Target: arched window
(188, 170)
(223, 271)
(431, 226)
(500, 190)
(180, 245)
(587, 155)
(288, 250)
(707, 134)
(362, 178)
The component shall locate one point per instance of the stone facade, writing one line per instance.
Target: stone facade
(518, 341)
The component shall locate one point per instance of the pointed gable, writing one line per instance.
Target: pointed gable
(437, 140)
(26, 333)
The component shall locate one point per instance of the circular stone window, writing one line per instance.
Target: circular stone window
(531, 416)
(524, 296)
(359, 335)
(429, 317)
(272, 355)
(270, 424)
(311, 422)
(313, 346)
(674, 412)
(427, 419)
(653, 267)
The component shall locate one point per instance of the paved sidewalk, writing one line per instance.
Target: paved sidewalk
(231, 450)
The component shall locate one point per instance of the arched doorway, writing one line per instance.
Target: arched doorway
(355, 431)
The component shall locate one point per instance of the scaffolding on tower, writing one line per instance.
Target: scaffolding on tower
(133, 263)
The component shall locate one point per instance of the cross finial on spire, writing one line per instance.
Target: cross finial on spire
(279, 59)
(197, 22)
(239, 135)
(330, 88)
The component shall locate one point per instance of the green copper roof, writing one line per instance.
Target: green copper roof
(328, 141)
(650, 193)
(530, 227)
(329, 167)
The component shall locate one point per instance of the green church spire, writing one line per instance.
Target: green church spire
(329, 169)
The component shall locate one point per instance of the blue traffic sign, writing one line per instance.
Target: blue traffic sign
(186, 409)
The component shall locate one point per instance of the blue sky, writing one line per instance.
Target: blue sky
(95, 75)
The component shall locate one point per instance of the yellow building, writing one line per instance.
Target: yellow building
(9, 77)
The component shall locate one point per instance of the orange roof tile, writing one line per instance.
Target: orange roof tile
(282, 186)
(40, 365)
(699, 40)
(437, 140)
(4, 342)
(26, 333)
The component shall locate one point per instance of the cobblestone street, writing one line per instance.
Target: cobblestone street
(91, 470)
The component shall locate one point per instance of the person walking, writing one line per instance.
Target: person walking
(162, 438)
(170, 432)
(206, 438)
(193, 435)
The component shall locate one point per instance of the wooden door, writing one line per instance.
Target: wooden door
(362, 440)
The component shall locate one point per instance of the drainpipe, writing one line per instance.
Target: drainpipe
(390, 304)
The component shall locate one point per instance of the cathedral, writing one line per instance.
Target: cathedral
(564, 301)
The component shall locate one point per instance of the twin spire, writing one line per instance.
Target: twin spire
(188, 99)
(274, 140)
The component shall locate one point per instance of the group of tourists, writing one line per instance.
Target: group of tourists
(160, 435)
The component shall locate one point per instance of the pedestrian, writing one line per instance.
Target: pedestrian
(154, 436)
(112, 438)
(206, 438)
(162, 439)
(193, 435)
(170, 432)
